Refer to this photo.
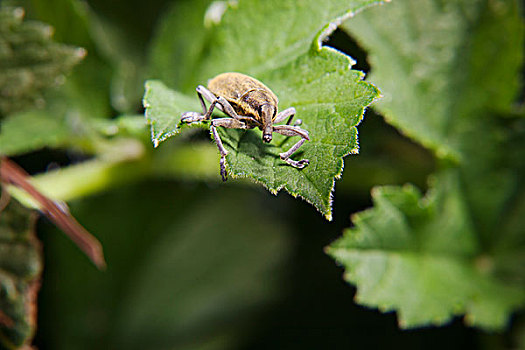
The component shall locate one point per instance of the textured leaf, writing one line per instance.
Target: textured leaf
(30, 61)
(20, 269)
(164, 108)
(421, 258)
(330, 98)
(439, 63)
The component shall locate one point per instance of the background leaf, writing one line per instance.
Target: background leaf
(114, 36)
(20, 269)
(442, 65)
(30, 61)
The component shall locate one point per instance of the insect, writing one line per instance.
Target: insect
(249, 104)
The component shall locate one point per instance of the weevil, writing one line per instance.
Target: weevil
(249, 104)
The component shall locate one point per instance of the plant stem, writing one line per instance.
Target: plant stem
(125, 163)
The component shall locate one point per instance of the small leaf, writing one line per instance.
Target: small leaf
(164, 108)
(329, 97)
(20, 270)
(30, 61)
(420, 257)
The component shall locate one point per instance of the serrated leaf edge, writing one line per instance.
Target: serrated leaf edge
(328, 212)
(316, 47)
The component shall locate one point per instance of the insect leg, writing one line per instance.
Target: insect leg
(288, 130)
(221, 103)
(288, 112)
(297, 122)
(205, 94)
(203, 104)
(193, 117)
(222, 150)
(227, 108)
(226, 123)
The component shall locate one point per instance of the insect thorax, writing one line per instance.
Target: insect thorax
(246, 94)
(252, 102)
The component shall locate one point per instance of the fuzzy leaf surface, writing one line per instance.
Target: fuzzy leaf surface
(318, 81)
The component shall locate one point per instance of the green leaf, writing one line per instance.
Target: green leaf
(164, 108)
(440, 64)
(30, 62)
(329, 97)
(491, 171)
(421, 258)
(258, 37)
(20, 269)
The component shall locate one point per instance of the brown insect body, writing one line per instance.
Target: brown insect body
(247, 104)
(248, 97)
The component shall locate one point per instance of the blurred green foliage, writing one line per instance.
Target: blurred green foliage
(197, 264)
(30, 61)
(20, 272)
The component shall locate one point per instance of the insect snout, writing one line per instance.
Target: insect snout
(267, 130)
